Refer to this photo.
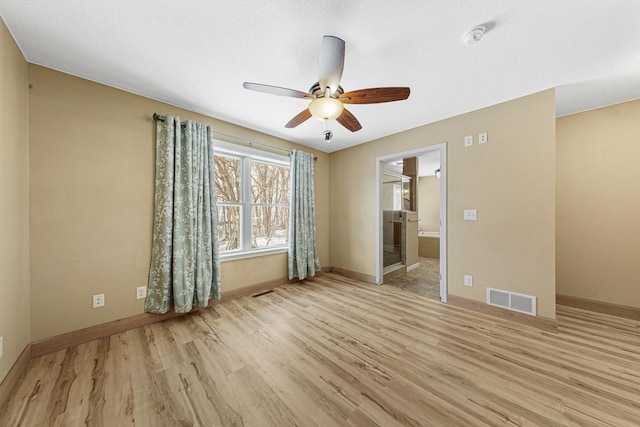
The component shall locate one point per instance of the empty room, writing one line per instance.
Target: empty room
(319, 213)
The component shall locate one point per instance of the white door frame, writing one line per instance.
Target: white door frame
(442, 147)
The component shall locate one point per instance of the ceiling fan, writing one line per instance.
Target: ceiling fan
(327, 96)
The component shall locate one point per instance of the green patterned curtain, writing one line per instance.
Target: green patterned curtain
(185, 263)
(303, 255)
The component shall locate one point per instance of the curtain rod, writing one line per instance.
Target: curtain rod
(161, 118)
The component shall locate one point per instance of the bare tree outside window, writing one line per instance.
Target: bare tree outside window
(228, 199)
(270, 204)
(266, 222)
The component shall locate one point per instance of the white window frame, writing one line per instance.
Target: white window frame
(247, 154)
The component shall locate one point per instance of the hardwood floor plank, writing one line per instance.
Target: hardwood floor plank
(60, 393)
(332, 351)
(118, 378)
(211, 391)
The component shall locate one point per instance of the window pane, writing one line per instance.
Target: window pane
(269, 183)
(229, 228)
(269, 226)
(227, 178)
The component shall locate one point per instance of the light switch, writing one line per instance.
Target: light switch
(470, 214)
(468, 280)
(468, 140)
(483, 138)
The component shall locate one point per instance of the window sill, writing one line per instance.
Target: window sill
(252, 254)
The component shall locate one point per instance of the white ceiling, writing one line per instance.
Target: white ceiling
(197, 54)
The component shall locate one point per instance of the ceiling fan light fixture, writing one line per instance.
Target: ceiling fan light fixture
(326, 108)
(327, 96)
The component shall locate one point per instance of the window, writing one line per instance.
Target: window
(253, 201)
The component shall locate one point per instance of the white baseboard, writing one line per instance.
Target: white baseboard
(393, 268)
(413, 267)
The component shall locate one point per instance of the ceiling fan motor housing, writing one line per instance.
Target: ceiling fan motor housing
(318, 92)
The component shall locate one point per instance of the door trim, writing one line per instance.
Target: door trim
(442, 147)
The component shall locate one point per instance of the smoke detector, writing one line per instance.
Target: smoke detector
(474, 35)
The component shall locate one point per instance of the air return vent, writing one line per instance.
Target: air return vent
(512, 301)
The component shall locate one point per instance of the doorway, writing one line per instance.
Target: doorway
(411, 233)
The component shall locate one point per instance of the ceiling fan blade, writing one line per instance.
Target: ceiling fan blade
(301, 117)
(276, 90)
(331, 63)
(375, 95)
(349, 121)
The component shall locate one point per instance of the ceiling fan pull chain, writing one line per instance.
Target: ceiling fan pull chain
(327, 134)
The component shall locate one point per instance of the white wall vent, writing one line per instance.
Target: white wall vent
(512, 301)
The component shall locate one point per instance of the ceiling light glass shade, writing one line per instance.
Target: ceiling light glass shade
(326, 108)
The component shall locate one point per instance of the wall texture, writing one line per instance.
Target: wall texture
(598, 204)
(429, 203)
(14, 201)
(92, 175)
(510, 180)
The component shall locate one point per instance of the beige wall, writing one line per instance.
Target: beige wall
(14, 201)
(92, 175)
(598, 204)
(510, 180)
(429, 203)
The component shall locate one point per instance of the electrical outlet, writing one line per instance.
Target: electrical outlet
(468, 140)
(470, 215)
(98, 301)
(1, 350)
(141, 292)
(468, 280)
(483, 138)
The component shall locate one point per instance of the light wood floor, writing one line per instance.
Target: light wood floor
(331, 351)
